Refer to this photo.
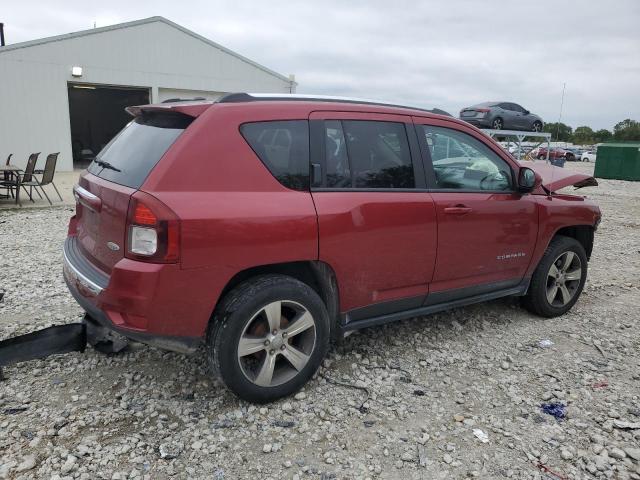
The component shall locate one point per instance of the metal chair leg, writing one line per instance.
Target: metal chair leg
(28, 192)
(56, 189)
(45, 194)
(38, 192)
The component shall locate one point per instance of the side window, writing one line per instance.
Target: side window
(367, 154)
(337, 163)
(461, 162)
(284, 149)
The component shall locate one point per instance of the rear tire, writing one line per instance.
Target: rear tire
(559, 278)
(268, 337)
(541, 157)
(497, 124)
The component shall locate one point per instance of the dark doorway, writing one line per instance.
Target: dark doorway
(97, 114)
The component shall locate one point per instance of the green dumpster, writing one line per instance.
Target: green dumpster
(620, 161)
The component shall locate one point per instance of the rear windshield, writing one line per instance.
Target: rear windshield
(131, 155)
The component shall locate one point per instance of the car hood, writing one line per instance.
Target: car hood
(554, 178)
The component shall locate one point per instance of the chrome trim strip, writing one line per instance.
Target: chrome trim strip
(77, 275)
(84, 192)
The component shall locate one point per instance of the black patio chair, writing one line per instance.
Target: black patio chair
(47, 175)
(20, 179)
(7, 176)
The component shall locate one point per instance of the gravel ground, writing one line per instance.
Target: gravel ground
(453, 395)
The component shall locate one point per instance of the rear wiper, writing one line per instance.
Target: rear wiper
(104, 164)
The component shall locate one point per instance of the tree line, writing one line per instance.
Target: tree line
(626, 130)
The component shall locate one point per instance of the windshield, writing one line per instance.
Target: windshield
(131, 155)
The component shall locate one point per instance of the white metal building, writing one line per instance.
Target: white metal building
(67, 93)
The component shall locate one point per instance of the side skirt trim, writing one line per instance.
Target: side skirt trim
(519, 289)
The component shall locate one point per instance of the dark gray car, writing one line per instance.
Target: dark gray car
(501, 116)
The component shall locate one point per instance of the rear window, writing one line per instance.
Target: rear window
(131, 155)
(283, 146)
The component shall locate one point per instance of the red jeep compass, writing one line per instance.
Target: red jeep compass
(265, 226)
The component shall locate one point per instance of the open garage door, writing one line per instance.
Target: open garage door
(97, 114)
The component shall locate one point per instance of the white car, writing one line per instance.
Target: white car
(589, 156)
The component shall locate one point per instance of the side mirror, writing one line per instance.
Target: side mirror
(527, 112)
(528, 180)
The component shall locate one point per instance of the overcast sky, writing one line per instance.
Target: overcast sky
(446, 54)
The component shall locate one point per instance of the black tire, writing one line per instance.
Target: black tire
(541, 157)
(536, 300)
(537, 127)
(239, 310)
(497, 124)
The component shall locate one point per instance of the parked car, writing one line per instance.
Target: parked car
(588, 156)
(554, 153)
(297, 222)
(501, 116)
(574, 154)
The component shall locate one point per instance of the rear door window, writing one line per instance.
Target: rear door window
(367, 154)
(131, 155)
(283, 147)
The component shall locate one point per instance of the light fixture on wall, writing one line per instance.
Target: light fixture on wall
(76, 71)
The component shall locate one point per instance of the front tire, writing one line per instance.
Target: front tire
(268, 337)
(559, 278)
(537, 127)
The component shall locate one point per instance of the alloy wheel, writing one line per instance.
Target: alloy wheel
(276, 343)
(563, 279)
(497, 124)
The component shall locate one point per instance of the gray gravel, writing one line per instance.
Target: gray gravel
(453, 395)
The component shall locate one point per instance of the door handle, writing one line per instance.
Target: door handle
(457, 210)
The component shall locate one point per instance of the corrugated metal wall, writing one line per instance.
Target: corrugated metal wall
(34, 109)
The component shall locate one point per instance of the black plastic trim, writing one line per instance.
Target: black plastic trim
(435, 298)
(381, 319)
(384, 308)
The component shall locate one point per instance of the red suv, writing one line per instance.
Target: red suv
(266, 227)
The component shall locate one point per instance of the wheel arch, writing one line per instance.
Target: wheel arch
(320, 276)
(582, 233)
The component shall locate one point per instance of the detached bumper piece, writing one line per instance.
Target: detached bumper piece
(42, 343)
(60, 339)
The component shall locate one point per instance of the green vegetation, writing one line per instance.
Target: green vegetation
(627, 130)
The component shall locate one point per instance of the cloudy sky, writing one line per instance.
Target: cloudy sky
(447, 54)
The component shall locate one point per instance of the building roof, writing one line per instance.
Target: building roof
(135, 23)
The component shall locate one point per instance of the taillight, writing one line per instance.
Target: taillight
(153, 230)
(482, 110)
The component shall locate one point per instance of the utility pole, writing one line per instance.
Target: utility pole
(560, 117)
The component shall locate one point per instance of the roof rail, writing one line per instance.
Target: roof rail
(194, 99)
(259, 97)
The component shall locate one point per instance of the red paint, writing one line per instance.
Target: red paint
(231, 214)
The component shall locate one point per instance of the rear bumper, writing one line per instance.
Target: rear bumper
(127, 301)
(477, 122)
